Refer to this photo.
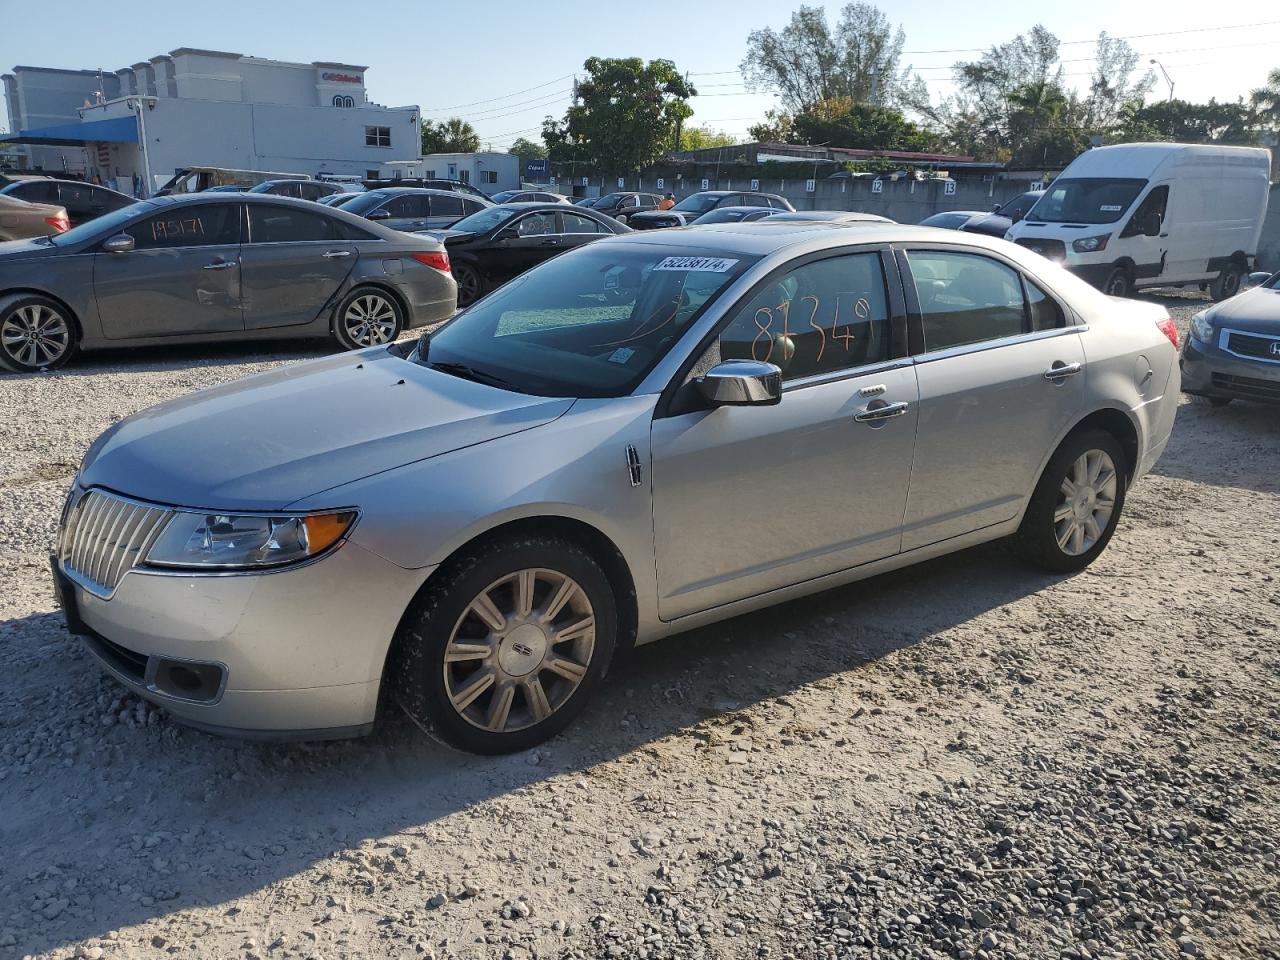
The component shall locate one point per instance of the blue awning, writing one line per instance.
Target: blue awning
(115, 130)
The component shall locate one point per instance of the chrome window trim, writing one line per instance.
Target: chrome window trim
(1224, 338)
(848, 373)
(984, 345)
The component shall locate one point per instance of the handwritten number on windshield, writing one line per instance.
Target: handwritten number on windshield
(765, 319)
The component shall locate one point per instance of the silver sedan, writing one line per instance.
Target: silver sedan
(650, 433)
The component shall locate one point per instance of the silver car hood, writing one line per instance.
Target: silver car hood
(266, 441)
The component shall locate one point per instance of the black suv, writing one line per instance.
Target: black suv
(83, 201)
(695, 205)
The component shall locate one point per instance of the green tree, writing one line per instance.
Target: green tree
(774, 128)
(626, 115)
(807, 62)
(701, 138)
(843, 122)
(527, 149)
(1113, 91)
(1266, 101)
(454, 135)
(1185, 122)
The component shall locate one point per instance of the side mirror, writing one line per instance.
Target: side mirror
(741, 383)
(120, 243)
(378, 215)
(996, 208)
(507, 233)
(1259, 277)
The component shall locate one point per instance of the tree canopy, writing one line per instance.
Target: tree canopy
(454, 135)
(527, 149)
(703, 137)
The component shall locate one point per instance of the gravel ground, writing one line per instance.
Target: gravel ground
(963, 759)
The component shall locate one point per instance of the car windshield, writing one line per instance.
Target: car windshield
(482, 221)
(1086, 200)
(590, 323)
(1017, 208)
(726, 215)
(698, 203)
(504, 196)
(610, 199)
(365, 202)
(104, 226)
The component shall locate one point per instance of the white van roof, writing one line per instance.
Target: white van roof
(1141, 160)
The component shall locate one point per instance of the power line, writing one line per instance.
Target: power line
(508, 107)
(494, 99)
(1149, 53)
(1133, 36)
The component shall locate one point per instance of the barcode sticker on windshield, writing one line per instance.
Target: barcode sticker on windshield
(702, 264)
(1111, 208)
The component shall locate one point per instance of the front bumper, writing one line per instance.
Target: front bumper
(1209, 371)
(296, 653)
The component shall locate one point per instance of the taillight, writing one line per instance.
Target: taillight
(1170, 330)
(60, 222)
(439, 260)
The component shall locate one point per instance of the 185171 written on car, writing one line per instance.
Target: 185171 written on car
(651, 432)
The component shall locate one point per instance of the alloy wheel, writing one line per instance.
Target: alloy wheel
(1086, 501)
(468, 285)
(370, 319)
(519, 650)
(35, 335)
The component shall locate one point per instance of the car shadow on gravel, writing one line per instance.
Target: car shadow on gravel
(151, 819)
(1232, 446)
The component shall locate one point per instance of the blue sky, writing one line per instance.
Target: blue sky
(504, 65)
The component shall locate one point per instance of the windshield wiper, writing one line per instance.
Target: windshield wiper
(471, 373)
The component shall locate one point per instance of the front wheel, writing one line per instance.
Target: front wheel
(1118, 284)
(504, 649)
(1076, 504)
(367, 317)
(470, 284)
(36, 333)
(1227, 283)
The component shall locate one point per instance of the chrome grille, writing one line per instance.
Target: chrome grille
(104, 538)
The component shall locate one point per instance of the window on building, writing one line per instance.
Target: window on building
(371, 174)
(429, 175)
(377, 136)
(464, 176)
(341, 101)
(488, 176)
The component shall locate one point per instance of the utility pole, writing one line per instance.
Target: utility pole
(1167, 78)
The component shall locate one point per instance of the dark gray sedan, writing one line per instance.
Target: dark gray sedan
(1234, 348)
(208, 267)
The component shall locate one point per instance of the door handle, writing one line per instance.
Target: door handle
(887, 412)
(1060, 370)
(220, 265)
(336, 253)
(551, 242)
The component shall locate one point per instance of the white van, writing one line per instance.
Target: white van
(1154, 215)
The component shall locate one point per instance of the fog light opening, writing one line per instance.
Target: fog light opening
(189, 681)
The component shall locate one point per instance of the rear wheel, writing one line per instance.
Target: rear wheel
(36, 333)
(1118, 283)
(1076, 504)
(470, 284)
(504, 649)
(1227, 283)
(367, 317)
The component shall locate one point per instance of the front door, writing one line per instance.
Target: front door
(752, 499)
(181, 278)
(536, 239)
(1001, 376)
(293, 262)
(1146, 238)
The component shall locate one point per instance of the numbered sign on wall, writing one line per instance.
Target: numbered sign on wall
(706, 184)
(810, 186)
(661, 183)
(553, 181)
(877, 185)
(949, 189)
(755, 184)
(622, 182)
(584, 181)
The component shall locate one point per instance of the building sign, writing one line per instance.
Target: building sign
(535, 168)
(342, 78)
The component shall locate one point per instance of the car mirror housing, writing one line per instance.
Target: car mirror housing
(378, 215)
(507, 233)
(120, 243)
(1258, 277)
(741, 383)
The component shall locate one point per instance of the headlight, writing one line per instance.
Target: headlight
(225, 541)
(1090, 244)
(1202, 327)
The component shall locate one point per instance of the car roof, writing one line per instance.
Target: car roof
(762, 237)
(744, 207)
(828, 216)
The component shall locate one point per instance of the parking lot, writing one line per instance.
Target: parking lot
(959, 759)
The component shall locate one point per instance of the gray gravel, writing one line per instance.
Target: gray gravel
(965, 759)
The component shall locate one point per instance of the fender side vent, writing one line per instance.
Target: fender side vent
(633, 465)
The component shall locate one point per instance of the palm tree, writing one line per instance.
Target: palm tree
(1266, 100)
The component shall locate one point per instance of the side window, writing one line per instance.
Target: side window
(404, 206)
(270, 224)
(471, 206)
(822, 317)
(37, 191)
(966, 298)
(446, 206)
(1043, 310)
(199, 225)
(576, 223)
(1149, 213)
(536, 225)
(74, 196)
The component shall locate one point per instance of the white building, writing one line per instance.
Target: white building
(205, 108)
(488, 170)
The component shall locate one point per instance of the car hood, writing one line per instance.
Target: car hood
(991, 224)
(269, 440)
(1256, 310)
(450, 236)
(28, 249)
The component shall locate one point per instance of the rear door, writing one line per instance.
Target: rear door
(577, 230)
(1000, 368)
(181, 278)
(293, 262)
(444, 210)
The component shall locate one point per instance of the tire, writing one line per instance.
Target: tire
(450, 640)
(1227, 283)
(367, 317)
(1118, 283)
(470, 284)
(36, 333)
(1040, 538)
